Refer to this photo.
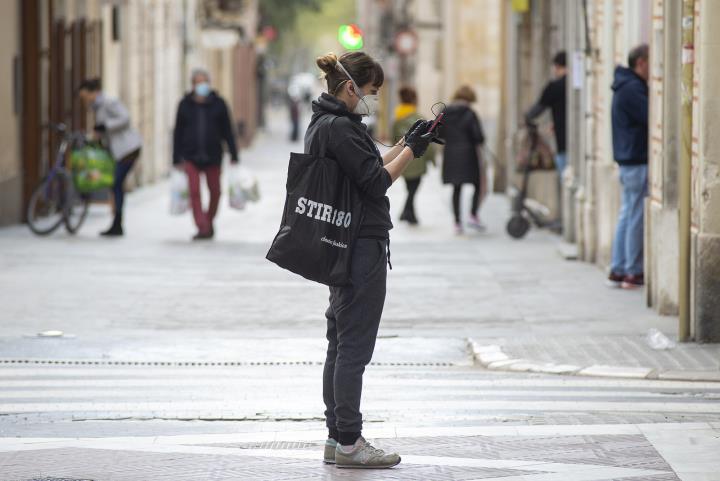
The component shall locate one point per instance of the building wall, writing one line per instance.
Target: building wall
(615, 27)
(10, 157)
(531, 40)
(472, 55)
(662, 205)
(145, 63)
(705, 230)
(459, 43)
(148, 65)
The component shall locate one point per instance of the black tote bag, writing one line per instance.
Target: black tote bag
(320, 222)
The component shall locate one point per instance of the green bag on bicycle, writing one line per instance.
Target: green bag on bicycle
(93, 168)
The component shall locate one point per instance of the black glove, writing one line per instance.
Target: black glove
(412, 127)
(417, 144)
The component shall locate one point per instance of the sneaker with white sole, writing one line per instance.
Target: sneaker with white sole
(364, 455)
(329, 454)
(475, 223)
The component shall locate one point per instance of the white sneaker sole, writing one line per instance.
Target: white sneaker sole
(360, 466)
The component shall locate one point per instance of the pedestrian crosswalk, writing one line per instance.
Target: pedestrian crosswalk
(449, 422)
(397, 394)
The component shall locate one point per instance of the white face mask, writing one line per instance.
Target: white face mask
(368, 103)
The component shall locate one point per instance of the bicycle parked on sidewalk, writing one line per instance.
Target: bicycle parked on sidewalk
(57, 200)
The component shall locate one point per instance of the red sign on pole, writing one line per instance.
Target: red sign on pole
(406, 42)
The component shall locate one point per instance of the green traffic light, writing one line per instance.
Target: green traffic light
(350, 37)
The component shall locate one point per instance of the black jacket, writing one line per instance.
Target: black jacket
(209, 120)
(553, 97)
(463, 133)
(629, 118)
(349, 143)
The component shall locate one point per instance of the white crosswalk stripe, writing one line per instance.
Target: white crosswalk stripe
(461, 393)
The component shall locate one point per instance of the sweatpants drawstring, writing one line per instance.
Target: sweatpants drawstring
(388, 253)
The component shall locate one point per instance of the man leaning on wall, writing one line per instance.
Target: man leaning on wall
(630, 149)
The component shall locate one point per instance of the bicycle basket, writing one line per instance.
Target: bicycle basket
(93, 168)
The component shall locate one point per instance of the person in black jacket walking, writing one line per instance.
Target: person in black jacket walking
(630, 149)
(353, 317)
(462, 159)
(202, 124)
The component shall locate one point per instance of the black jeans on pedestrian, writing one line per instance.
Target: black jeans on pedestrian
(456, 200)
(122, 168)
(353, 319)
(412, 188)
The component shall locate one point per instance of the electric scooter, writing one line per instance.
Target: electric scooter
(524, 210)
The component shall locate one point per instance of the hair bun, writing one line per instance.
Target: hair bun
(327, 63)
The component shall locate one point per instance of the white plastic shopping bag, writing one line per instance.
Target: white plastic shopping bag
(243, 187)
(179, 192)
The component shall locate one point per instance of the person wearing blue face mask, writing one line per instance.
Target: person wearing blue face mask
(202, 126)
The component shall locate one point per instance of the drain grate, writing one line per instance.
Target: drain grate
(57, 479)
(91, 362)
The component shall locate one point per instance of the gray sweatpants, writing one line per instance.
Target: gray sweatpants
(353, 319)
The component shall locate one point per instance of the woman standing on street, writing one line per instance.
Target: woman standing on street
(112, 126)
(405, 116)
(462, 159)
(353, 317)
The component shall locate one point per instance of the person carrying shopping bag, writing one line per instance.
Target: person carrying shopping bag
(112, 127)
(337, 215)
(202, 125)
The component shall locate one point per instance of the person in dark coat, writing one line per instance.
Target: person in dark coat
(353, 316)
(462, 160)
(630, 150)
(201, 126)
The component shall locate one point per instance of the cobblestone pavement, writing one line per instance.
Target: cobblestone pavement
(631, 453)
(201, 361)
(620, 454)
(627, 351)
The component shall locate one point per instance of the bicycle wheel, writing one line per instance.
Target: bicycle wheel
(76, 208)
(46, 208)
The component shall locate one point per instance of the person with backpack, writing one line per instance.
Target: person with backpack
(405, 116)
(353, 316)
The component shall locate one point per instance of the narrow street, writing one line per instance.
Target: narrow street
(193, 361)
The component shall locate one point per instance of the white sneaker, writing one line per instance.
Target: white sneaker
(364, 455)
(475, 223)
(329, 454)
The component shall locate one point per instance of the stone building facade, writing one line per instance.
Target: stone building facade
(682, 257)
(143, 50)
(458, 42)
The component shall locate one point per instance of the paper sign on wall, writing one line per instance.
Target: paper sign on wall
(578, 70)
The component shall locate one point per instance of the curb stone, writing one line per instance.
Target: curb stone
(492, 356)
